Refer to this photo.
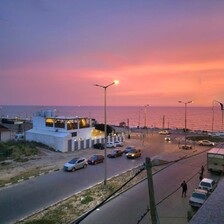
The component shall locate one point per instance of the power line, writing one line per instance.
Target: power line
(171, 163)
(100, 204)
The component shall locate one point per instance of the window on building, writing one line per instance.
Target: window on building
(59, 123)
(83, 123)
(72, 124)
(74, 134)
(49, 122)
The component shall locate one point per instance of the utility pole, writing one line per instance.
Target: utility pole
(153, 211)
(163, 121)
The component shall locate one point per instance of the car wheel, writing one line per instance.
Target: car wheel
(73, 169)
(84, 166)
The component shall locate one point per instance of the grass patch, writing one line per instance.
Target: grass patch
(206, 137)
(17, 150)
(24, 175)
(73, 207)
(87, 199)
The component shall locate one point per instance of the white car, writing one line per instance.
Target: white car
(206, 143)
(75, 164)
(207, 184)
(167, 138)
(119, 144)
(164, 132)
(198, 197)
(111, 145)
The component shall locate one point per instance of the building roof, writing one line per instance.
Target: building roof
(212, 210)
(3, 128)
(48, 132)
(219, 151)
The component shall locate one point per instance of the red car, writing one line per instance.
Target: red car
(95, 159)
(115, 153)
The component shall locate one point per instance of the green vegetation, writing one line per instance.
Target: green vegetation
(205, 137)
(87, 199)
(73, 207)
(43, 221)
(17, 151)
(100, 127)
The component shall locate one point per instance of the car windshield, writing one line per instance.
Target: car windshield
(129, 147)
(205, 184)
(198, 195)
(94, 157)
(73, 161)
(114, 151)
(133, 150)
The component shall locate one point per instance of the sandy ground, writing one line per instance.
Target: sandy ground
(46, 160)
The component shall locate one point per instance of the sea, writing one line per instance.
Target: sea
(197, 118)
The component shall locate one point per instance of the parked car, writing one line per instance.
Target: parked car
(75, 164)
(98, 146)
(119, 144)
(111, 145)
(128, 149)
(206, 143)
(115, 153)
(186, 147)
(164, 132)
(134, 153)
(207, 184)
(93, 160)
(198, 197)
(167, 138)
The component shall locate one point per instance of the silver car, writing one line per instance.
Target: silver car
(198, 197)
(75, 164)
(206, 143)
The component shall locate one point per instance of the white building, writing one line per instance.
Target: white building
(64, 134)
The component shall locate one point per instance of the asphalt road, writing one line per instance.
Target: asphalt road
(129, 207)
(30, 196)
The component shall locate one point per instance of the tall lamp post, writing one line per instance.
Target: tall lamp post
(222, 110)
(105, 127)
(145, 115)
(185, 123)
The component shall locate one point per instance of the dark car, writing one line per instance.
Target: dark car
(134, 153)
(93, 160)
(98, 146)
(115, 153)
(128, 149)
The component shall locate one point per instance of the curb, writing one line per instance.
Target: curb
(28, 178)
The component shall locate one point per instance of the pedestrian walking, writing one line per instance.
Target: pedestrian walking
(202, 170)
(184, 188)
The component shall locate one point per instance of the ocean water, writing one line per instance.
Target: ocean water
(198, 118)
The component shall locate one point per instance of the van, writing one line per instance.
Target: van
(215, 160)
(207, 184)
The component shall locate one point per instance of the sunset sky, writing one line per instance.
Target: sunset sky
(52, 52)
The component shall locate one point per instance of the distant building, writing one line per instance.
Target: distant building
(10, 129)
(64, 134)
(5, 134)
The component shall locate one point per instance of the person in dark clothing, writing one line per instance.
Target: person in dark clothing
(184, 188)
(202, 170)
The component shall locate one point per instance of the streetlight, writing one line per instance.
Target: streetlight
(105, 127)
(222, 110)
(185, 128)
(145, 115)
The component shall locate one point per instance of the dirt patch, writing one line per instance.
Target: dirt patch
(80, 203)
(46, 160)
